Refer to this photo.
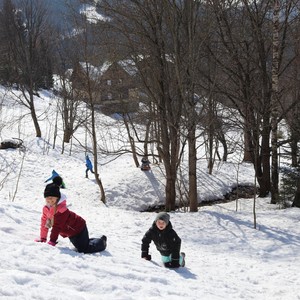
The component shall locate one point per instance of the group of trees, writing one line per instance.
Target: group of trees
(192, 58)
(240, 53)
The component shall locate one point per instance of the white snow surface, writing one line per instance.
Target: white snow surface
(226, 258)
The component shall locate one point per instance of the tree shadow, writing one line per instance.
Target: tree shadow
(284, 236)
(155, 184)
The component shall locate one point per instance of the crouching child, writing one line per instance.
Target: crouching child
(57, 217)
(166, 240)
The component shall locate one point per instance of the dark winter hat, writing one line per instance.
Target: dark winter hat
(52, 190)
(163, 216)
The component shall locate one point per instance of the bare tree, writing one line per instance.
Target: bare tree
(6, 59)
(247, 75)
(69, 89)
(88, 84)
(184, 23)
(239, 54)
(27, 36)
(143, 26)
(164, 38)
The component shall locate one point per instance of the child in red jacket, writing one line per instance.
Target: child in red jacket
(66, 223)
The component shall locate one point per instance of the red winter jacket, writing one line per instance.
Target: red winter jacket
(66, 223)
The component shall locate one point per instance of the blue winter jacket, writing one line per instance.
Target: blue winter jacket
(88, 163)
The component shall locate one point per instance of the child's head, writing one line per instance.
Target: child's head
(58, 181)
(162, 220)
(52, 193)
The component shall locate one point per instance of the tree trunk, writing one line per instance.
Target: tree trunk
(169, 153)
(131, 141)
(34, 117)
(193, 199)
(211, 134)
(296, 201)
(247, 146)
(265, 157)
(170, 189)
(274, 105)
(67, 135)
(94, 143)
(294, 150)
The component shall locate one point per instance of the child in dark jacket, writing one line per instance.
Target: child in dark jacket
(66, 223)
(166, 240)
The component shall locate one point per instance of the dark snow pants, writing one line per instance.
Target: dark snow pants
(84, 244)
(87, 171)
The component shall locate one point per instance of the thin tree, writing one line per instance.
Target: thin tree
(275, 104)
(89, 84)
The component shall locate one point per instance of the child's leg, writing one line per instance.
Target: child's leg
(96, 245)
(81, 240)
(84, 244)
(167, 259)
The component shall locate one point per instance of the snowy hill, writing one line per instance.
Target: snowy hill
(226, 258)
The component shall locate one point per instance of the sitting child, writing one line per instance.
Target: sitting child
(166, 240)
(66, 223)
(145, 164)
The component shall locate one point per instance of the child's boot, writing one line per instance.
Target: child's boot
(182, 254)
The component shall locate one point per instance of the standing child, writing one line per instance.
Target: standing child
(66, 223)
(166, 240)
(89, 166)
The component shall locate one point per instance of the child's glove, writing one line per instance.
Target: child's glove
(51, 243)
(41, 240)
(147, 257)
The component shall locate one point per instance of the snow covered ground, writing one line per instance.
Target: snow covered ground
(226, 258)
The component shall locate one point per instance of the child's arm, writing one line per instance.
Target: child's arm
(146, 240)
(60, 220)
(43, 228)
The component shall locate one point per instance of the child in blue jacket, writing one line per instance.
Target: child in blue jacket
(89, 166)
